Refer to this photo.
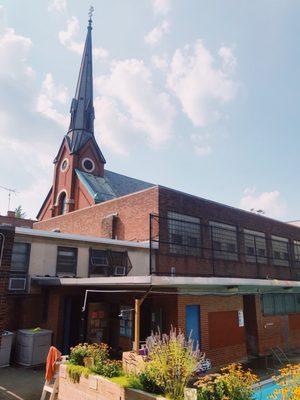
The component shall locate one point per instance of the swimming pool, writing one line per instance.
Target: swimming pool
(263, 392)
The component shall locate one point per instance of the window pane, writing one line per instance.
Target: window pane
(297, 251)
(224, 241)
(99, 262)
(19, 259)
(290, 303)
(184, 233)
(126, 321)
(297, 302)
(279, 304)
(268, 304)
(66, 260)
(255, 246)
(280, 247)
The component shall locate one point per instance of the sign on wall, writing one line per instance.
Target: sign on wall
(241, 318)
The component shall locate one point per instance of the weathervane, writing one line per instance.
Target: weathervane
(91, 11)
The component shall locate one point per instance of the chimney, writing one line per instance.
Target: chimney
(11, 214)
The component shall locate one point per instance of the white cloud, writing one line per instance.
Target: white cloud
(201, 143)
(199, 85)
(229, 61)
(113, 126)
(270, 203)
(149, 110)
(160, 62)
(50, 96)
(14, 51)
(154, 36)
(25, 160)
(161, 7)
(57, 5)
(68, 39)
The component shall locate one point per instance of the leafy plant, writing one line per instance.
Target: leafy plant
(128, 381)
(97, 352)
(289, 383)
(233, 383)
(109, 368)
(75, 372)
(148, 383)
(172, 362)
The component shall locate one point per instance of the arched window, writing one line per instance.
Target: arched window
(62, 204)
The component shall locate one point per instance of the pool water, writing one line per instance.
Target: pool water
(263, 392)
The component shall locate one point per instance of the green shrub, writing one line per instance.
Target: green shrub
(109, 368)
(148, 383)
(97, 352)
(172, 362)
(128, 381)
(234, 383)
(75, 372)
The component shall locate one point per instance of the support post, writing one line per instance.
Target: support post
(137, 319)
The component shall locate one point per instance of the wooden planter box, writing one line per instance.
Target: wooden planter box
(96, 387)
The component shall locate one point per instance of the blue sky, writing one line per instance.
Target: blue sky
(201, 96)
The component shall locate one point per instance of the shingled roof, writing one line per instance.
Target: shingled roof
(111, 185)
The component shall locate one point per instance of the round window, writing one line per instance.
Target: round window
(64, 164)
(88, 164)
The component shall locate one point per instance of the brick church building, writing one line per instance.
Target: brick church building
(229, 277)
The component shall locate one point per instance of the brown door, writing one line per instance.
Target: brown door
(250, 317)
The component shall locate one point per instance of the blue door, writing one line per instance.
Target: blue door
(192, 322)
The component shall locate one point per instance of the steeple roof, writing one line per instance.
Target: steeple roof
(81, 127)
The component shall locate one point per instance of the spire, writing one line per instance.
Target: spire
(82, 108)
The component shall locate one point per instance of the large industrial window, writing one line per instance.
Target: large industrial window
(255, 246)
(184, 234)
(280, 304)
(20, 258)
(280, 249)
(297, 251)
(224, 241)
(66, 261)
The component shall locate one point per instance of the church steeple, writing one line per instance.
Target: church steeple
(82, 107)
(81, 127)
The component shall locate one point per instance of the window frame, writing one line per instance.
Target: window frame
(284, 303)
(223, 254)
(281, 262)
(26, 262)
(128, 330)
(183, 247)
(104, 266)
(255, 257)
(67, 248)
(2, 241)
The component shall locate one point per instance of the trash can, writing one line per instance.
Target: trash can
(32, 346)
(5, 348)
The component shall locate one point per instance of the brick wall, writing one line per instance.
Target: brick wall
(7, 234)
(211, 304)
(132, 221)
(10, 219)
(277, 331)
(206, 210)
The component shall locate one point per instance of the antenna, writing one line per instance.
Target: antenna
(10, 191)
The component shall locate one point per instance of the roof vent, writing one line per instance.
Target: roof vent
(57, 230)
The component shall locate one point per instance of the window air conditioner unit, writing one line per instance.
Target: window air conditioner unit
(16, 284)
(120, 271)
